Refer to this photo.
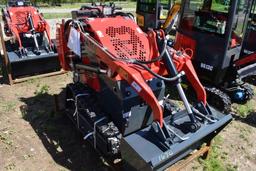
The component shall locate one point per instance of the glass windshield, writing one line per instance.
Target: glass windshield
(148, 6)
(206, 15)
(14, 3)
(164, 9)
(253, 12)
(240, 19)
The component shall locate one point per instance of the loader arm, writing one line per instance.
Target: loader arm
(183, 63)
(128, 73)
(171, 16)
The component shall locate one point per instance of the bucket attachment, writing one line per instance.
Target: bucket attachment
(156, 148)
(32, 64)
(28, 50)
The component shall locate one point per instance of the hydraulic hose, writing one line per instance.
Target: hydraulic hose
(171, 79)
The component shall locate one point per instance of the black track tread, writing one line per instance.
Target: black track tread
(248, 91)
(218, 94)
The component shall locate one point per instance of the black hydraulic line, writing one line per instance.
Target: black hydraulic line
(91, 69)
(171, 79)
(31, 23)
(171, 69)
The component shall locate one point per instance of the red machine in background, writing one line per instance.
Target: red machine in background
(28, 48)
(246, 64)
(118, 99)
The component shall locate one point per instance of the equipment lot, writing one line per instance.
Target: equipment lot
(34, 137)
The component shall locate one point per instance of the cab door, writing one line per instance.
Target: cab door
(249, 44)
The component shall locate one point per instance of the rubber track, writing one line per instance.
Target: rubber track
(213, 92)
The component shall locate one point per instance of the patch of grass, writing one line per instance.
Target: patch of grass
(10, 166)
(63, 6)
(126, 4)
(213, 162)
(245, 134)
(7, 106)
(231, 167)
(57, 15)
(27, 156)
(42, 90)
(6, 139)
(216, 159)
(32, 81)
(244, 110)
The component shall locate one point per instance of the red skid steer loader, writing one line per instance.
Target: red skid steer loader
(27, 47)
(118, 98)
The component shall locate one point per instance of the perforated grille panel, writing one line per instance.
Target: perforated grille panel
(126, 43)
(21, 17)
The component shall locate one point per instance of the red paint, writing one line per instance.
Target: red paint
(17, 21)
(113, 39)
(246, 60)
(184, 42)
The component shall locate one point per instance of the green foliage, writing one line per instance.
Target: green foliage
(56, 15)
(42, 90)
(246, 109)
(7, 106)
(215, 161)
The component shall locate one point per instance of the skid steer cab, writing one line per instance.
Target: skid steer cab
(246, 64)
(119, 100)
(27, 46)
(215, 31)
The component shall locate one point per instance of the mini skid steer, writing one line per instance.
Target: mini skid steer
(118, 99)
(27, 47)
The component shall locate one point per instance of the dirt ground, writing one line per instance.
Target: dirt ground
(34, 137)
